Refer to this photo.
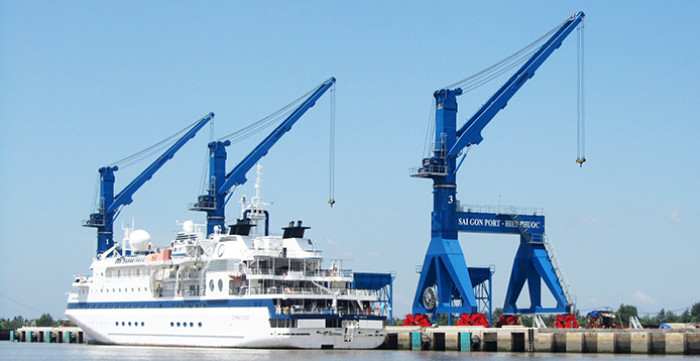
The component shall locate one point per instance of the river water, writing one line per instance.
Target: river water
(78, 352)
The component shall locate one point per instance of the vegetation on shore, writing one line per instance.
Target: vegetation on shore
(45, 320)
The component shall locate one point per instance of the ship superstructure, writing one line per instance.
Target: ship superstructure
(228, 290)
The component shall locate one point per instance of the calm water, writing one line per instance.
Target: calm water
(74, 352)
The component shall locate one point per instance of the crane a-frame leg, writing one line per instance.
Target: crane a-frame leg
(444, 278)
(533, 264)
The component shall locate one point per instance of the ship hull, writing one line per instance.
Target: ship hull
(231, 327)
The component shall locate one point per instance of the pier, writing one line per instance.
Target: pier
(526, 339)
(481, 339)
(48, 335)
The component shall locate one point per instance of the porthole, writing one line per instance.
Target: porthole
(199, 324)
(178, 324)
(211, 285)
(172, 324)
(221, 285)
(117, 323)
(129, 323)
(141, 323)
(191, 324)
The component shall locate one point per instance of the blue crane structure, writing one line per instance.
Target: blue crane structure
(220, 182)
(110, 205)
(446, 285)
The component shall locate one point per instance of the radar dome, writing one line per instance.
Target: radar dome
(138, 240)
(188, 226)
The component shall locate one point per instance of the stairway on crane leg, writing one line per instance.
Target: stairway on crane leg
(551, 254)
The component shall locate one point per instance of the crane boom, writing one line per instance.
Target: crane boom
(213, 202)
(470, 132)
(109, 206)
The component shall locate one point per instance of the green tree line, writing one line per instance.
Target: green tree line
(45, 320)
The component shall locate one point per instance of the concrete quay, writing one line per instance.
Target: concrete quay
(524, 339)
(49, 335)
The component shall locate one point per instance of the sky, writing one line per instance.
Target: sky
(83, 84)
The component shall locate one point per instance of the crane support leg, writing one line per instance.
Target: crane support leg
(533, 264)
(444, 278)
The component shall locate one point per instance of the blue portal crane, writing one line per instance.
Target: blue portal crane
(110, 204)
(220, 182)
(445, 286)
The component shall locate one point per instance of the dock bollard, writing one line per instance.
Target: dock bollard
(606, 342)
(674, 343)
(543, 342)
(639, 342)
(465, 341)
(416, 341)
(574, 342)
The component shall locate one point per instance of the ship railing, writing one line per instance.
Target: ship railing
(294, 273)
(306, 291)
(298, 310)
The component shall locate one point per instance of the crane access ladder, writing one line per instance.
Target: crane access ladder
(553, 257)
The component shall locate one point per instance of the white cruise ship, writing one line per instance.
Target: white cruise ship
(228, 290)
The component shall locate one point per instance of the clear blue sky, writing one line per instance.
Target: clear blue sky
(83, 84)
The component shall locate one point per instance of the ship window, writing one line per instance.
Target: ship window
(191, 324)
(211, 285)
(178, 324)
(221, 285)
(184, 324)
(129, 323)
(141, 323)
(199, 324)
(122, 323)
(172, 324)
(117, 323)
(138, 271)
(119, 273)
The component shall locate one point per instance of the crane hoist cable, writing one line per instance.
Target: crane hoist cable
(486, 75)
(331, 161)
(153, 149)
(265, 122)
(580, 101)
